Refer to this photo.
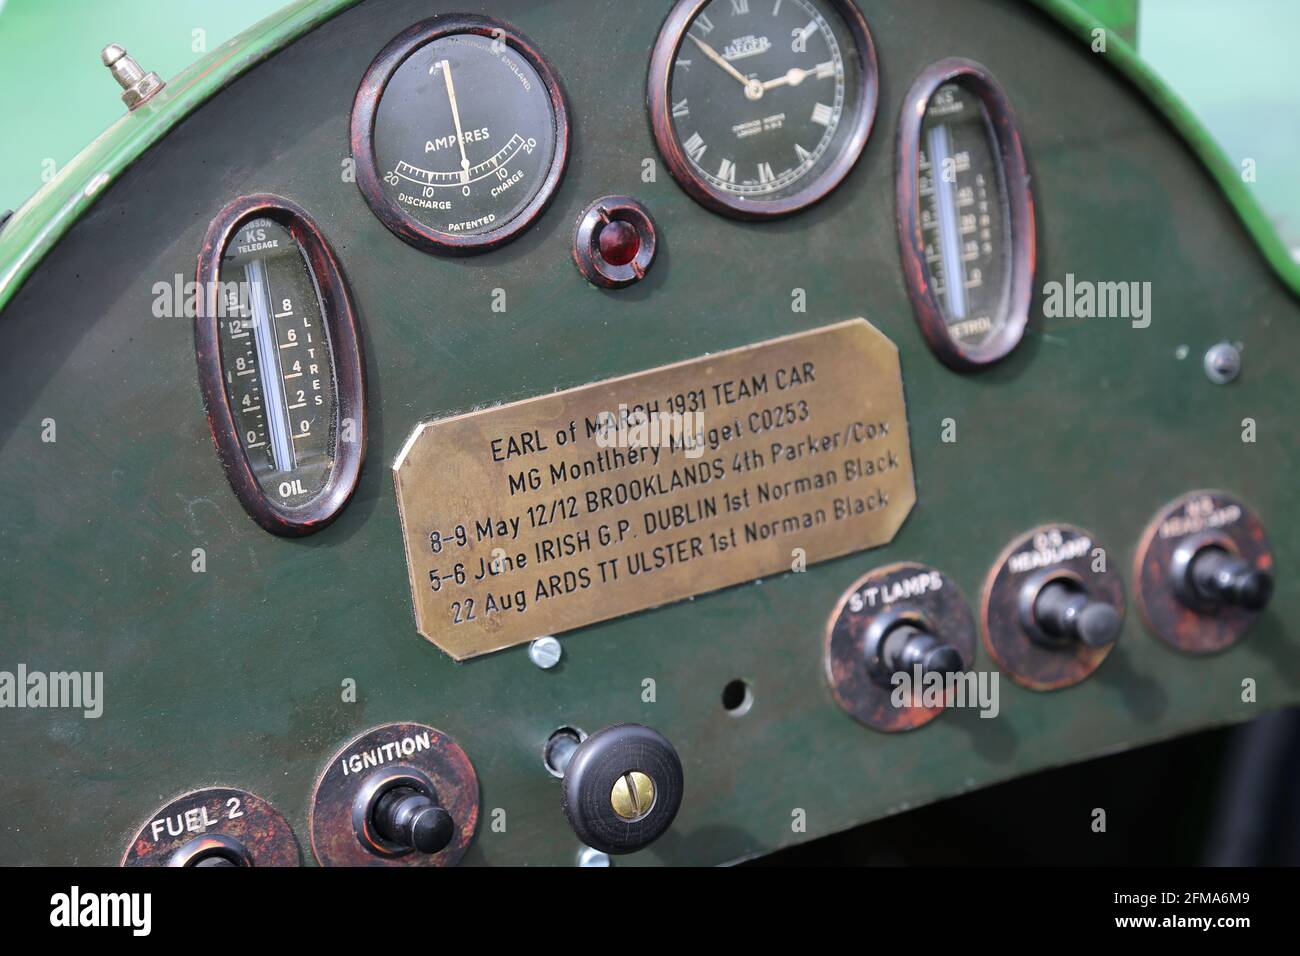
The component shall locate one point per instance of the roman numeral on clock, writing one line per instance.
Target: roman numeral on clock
(695, 147)
(822, 114)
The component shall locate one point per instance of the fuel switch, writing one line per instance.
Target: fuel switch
(214, 827)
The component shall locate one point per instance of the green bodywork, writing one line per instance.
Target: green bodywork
(235, 675)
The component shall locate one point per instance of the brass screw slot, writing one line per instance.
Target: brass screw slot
(633, 795)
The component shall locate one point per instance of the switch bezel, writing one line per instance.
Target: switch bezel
(1172, 537)
(1023, 650)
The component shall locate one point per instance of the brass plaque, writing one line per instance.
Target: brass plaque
(566, 509)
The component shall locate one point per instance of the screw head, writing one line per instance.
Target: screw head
(633, 795)
(545, 652)
(1222, 363)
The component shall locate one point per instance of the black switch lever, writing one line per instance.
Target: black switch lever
(906, 646)
(1219, 577)
(1064, 611)
(412, 819)
(212, 849)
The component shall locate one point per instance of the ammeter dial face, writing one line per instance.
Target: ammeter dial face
(761, 108)
(278, 369)
(965, 214)
(460, 133)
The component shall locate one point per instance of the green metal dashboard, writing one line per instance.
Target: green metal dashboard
(231, 657)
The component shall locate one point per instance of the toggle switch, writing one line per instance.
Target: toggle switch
(893, 623)
(412, 819)
(909, 646)
(1203, 572)
(1215, 576)
(401, 794)
(1053, 608)
(210, 850)
(621, 787)
(396, 811)
(1062, 611)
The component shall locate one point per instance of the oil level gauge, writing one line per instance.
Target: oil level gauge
(965, 214)
(279, 364)
(460, 134)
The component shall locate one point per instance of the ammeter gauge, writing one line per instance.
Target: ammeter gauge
(460, 134)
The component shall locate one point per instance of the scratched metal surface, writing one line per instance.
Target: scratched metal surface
(233, 676)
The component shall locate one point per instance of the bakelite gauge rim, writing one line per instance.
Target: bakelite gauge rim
(1004, 131)
(1006, 638)
(339, 316)
(1175, 624)
(443, 764)
(245, 826)
(945, 612)
(365, 111)
(659, 108)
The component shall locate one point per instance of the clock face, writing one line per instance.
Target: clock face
(761, 107)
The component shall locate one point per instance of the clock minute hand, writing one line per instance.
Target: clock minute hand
(719, 59)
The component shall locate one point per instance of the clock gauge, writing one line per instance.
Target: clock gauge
(460, 134)
(760, 108)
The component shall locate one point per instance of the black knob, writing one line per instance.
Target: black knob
(214, 860)
(1220, 577)
(1063, 610)
(408, 817)
(906, 646)
(622, 788)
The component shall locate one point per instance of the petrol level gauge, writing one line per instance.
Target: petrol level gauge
(965, 214)
(279, 364)
(460, 134)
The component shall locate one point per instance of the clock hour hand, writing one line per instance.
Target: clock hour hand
(795, 76)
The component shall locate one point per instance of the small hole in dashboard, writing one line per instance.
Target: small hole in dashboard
(737, 698)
